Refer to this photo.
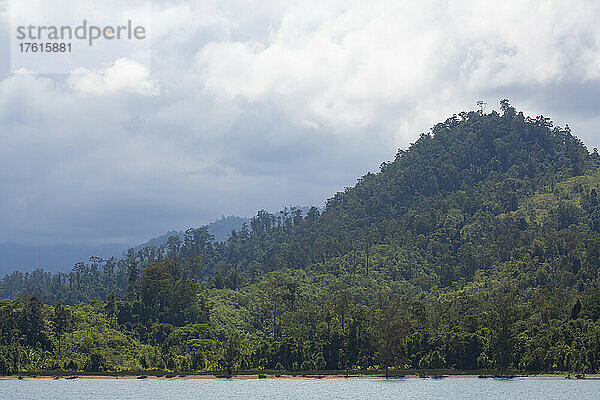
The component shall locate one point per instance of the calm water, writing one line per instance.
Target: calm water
(328, 389)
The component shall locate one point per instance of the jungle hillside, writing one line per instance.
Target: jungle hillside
(476, 248)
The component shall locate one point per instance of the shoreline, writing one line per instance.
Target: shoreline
(244, 376)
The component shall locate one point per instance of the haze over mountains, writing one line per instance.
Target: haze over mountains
(62, 257)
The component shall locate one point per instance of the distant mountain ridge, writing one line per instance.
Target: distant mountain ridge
(62, 257)
(54, 258)
(220, 228)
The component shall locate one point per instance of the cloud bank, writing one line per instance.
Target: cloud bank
(248, 106)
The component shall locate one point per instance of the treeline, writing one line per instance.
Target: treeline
(295, 321)
(478, 247)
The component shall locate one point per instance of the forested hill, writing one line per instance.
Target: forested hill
(476, 248)
(437, 213)
(458, 155)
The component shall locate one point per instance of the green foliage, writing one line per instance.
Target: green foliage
(478, 247)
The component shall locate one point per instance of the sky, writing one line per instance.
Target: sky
(259, 105)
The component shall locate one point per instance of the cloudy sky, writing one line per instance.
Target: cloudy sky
(249, 105)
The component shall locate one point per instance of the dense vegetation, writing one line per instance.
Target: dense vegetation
(476, 248)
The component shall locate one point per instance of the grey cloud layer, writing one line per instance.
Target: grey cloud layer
(250, 106)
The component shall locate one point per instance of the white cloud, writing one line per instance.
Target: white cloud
(349, 63)
(123, 76)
